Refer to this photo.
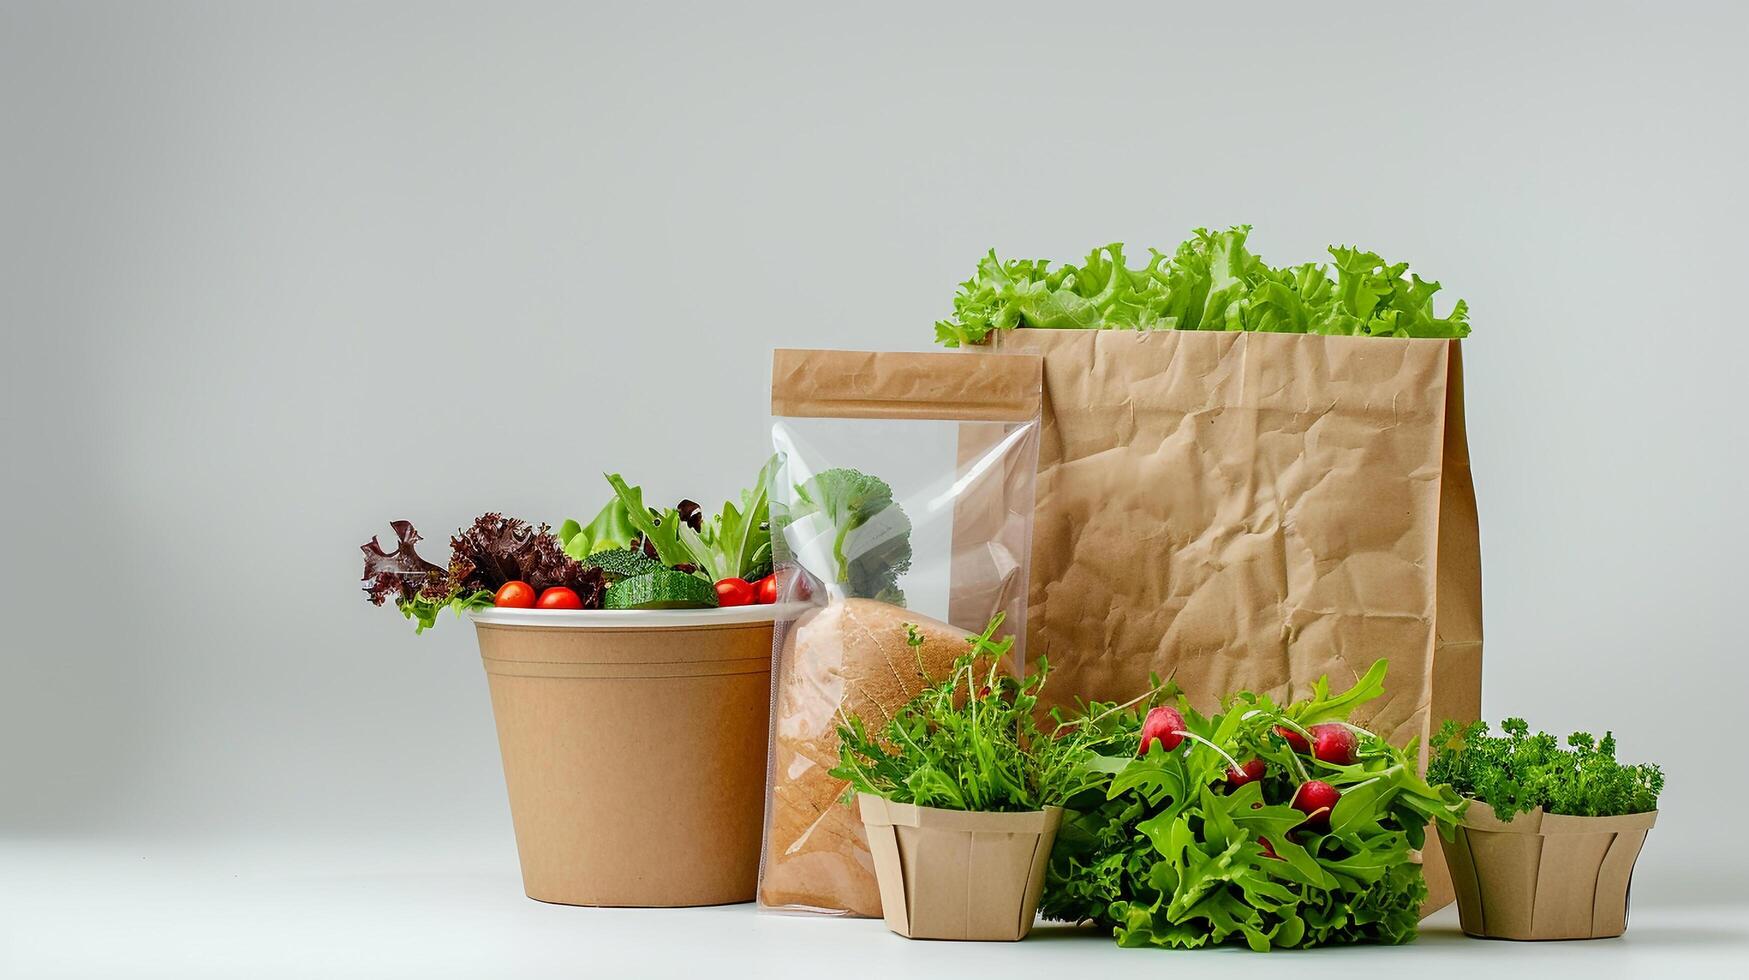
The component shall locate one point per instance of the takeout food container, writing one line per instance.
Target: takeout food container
(1544, 875)
(634, 749)
(952, 874)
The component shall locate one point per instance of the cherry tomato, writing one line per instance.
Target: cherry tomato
(514, 595)
(765, 590)
(559, 597)
(734, 592)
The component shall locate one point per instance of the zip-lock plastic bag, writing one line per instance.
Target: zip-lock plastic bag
(902, 506)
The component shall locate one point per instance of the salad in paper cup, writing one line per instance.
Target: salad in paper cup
(629, 557)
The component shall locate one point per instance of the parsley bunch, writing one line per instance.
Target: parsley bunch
(1516, 771)
(968, 741)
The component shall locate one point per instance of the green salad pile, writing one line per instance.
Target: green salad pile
(1210, 282)
(1263, 825)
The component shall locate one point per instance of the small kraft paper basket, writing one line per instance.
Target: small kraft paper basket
(953, 874)
(1544, 875)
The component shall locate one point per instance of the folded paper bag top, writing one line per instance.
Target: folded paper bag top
(846, 384)
(953, 874)
(1544, 875)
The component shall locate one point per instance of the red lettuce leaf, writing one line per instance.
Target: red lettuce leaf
(498, 549)
(401, 574)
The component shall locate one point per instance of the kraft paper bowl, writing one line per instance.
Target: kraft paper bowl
(634, 749)
(1544, 875)
(955, 874)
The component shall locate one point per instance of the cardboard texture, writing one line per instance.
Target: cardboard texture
(1251, 511)
(846, 659)
(1544, 875)
(949, 874)
(634, 759)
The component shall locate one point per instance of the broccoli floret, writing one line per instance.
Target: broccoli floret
(871, 543)
(621, 563)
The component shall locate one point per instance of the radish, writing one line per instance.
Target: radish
(1268, 848)
(1249, 772)
(1334, 744)
(1165, 724)
(1316, 799)
(1295, 740)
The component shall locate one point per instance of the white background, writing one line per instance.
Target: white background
(276, 275)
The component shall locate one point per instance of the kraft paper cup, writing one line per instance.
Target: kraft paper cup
(953, 874)
(1544, 875)
(634, 749)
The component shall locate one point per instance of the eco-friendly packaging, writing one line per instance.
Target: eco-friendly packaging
(896, 547)
(634, 749)
(1544, 875)
(951, 874)
(1254, 510)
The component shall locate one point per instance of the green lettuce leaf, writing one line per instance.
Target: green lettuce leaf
(737, 542)
(1210, 282)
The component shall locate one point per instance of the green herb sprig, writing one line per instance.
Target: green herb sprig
(1517, 771)
(971, 741)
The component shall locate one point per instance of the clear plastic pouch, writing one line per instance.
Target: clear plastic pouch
(903, 504)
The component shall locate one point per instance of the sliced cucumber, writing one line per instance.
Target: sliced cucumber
(666, 589)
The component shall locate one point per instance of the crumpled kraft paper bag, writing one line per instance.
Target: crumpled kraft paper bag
(1251, 511)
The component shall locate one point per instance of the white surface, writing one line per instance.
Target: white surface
(639, 618)
(228, 911)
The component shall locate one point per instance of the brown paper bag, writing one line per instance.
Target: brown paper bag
(1251, 511)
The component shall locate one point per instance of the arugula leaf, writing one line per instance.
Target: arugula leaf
(969, 741)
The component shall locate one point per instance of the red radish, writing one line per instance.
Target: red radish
(1334, 744)
(1165, 724)
(1268, 848)
(514, 595)
(765, 590)
(1295, 740)
(734, 592)
(1316, 799)
(559, 597)
(1247, 772)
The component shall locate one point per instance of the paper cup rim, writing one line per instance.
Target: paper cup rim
(637, 618)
